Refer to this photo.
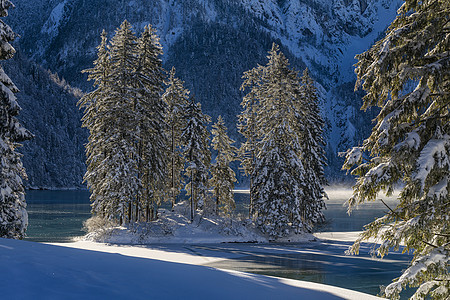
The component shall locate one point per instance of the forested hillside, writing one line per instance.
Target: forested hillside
(211, 43)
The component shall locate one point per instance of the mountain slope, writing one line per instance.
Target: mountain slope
(55, 157)
(212, 42)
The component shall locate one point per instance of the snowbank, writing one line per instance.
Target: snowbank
(38, 271)
(175, 228)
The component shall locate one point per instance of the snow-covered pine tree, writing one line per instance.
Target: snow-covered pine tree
(279, 175)
(222, 176)
(197, 154)
(247, 125)
(118, 121)
(407, 74)
(92, 104)
(13, 214)
(176, 99)
(152, 127)
(313, 153)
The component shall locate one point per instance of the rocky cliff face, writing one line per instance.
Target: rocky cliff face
(212, 42)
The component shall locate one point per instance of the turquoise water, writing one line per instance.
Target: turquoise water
(58, 216)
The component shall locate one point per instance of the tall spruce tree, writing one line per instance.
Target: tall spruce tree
(313, 153)
(407, 75)
(13, 214)
(247, 125)
(176, 99)
(223, 177)
(120, 124)
(197, 154)
(126, 153)
(152, 127)
(92, 105)
(113, 120)
(279, 176)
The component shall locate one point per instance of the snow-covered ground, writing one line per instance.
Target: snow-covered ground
(39, 271)
(174, 227)
(174, 259)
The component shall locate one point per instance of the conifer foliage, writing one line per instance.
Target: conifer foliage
(287, 195)
(407, 75)
(313, 150)
(13, 214)
(197, 155)
(125, 117)
(223, 177)
(152, 127)
(176, 99)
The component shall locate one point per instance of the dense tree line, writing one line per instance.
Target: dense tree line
(147, 143)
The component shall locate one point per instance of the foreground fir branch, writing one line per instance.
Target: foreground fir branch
(13, 214)
(407, 74)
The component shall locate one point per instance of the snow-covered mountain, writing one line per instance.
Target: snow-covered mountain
(212, 42)
(55, 157)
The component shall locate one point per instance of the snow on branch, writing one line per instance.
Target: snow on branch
(433, 155)
(439, 257)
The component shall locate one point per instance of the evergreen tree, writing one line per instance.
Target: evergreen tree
(223, 177)
(197, 154)
(92, 104)
(176, 100)
(126, 153)
(153, 142)
(280, 186)
(407, 74)
(13, 214)
(247, 125)
(120, 124)
(313, 153)
(113, 156)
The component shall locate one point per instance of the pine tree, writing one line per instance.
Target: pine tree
(197, 154)
(247, 125)
(92, 104)
(113, 156)
(223, 177)
(176, 100)
(13, 214)
(279, 186)
(153, 141)
(126, 153)
(407, 75)
(313, 153)
(121, 123)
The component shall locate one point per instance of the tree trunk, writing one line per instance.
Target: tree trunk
(173, 167)
(217, 205)
(192, 198)
(136, 216)
(129, 212)
(250, 208)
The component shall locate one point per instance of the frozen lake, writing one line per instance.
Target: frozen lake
(57, 216)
